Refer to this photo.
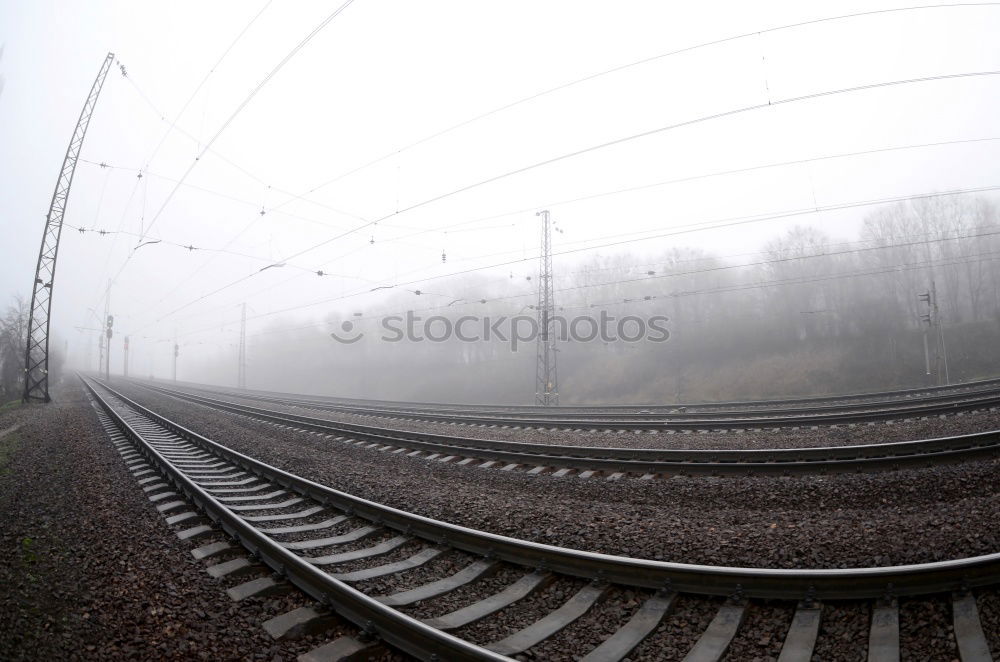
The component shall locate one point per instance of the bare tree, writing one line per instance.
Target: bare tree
(13, 336)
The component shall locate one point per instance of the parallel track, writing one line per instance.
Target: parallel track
(814, 401)
(600, 418)
(208, 475)
(621, 462)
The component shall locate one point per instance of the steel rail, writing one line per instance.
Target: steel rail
(885, 396)
(792, 584)
(397, 629)
(779, 461)
(667, 421)
(593, 412)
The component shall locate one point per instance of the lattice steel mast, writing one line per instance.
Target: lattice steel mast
(546, 374)
(36, 355)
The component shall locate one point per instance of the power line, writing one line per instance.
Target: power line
(731, 222)
(603, 145)
(722, 173)
(173, 124)
(243, 104)
(646, 134)
(629, 65)
(230, 119)
(714, 269)
(501, 108)
(204, 80)
(201, 249)
(203, 189)
(631, 189)
(979, 257)
(724, 223)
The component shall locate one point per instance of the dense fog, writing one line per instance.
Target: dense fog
(806, 315)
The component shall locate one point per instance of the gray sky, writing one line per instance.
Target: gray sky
(385, 75)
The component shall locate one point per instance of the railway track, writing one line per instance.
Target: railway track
(329, 544)
(600, 418)
(617, 463)
(923, 394)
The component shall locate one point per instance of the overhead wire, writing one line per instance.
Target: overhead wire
(646, 134)
(643, 61)
(636, 63)
(243, 104)
(202, 249)
(606, 144)
(691, 178)
(725, 223)
(208, 74)
(173, 124)
(208, 145)
(619, 141)
(551, 204)
(676, 294)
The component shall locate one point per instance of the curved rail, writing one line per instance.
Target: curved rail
(715, 420)
(642, 461)
(847, 583)
(811, 402)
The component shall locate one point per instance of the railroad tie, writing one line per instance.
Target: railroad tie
(420, 558)
(298, 623)
(368, 552)
(883, 640)
(522, 588)
(714, 642)
(344, 649)
(972, 645)
(630, 635)
(540, 630)
(468, 574)
(801, 637)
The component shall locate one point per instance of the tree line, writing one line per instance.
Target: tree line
(806, 315)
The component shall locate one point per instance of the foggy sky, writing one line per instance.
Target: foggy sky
(384, 75)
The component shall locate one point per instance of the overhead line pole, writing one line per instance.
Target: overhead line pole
(36, 353)
(546, 373)
(241, 379)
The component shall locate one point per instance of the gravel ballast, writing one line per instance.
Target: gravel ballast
(887, 518)
(90, 570)
(890, 518)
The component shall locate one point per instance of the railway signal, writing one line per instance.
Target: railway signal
(932, 319)
(926, 298)
(109, 333)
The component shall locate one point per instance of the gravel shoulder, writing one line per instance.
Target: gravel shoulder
(89, 570)
(92, 572)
